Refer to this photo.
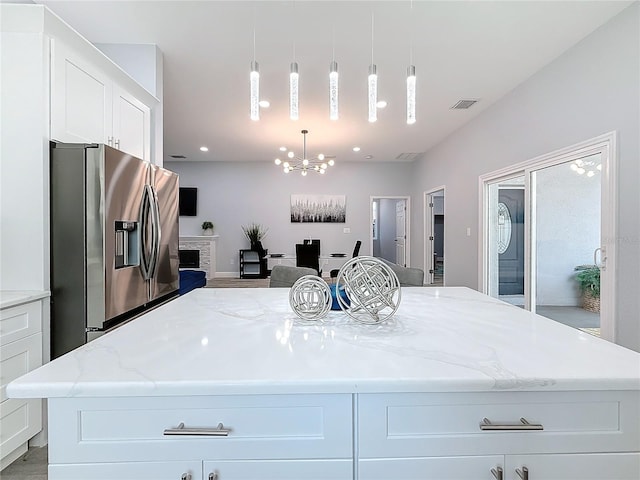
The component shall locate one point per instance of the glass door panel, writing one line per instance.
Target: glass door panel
(565, 215)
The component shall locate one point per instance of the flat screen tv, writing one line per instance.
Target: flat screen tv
(188, 201)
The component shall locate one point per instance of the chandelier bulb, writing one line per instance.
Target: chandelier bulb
(321, 157)
(291, 154)
(331, 163)
(278, 161)
(304, 173)
(305, 162)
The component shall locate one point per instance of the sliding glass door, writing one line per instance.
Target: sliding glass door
(548, 233)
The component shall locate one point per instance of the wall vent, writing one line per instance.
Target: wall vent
(409, 156)
(177, 156)
(464, 104)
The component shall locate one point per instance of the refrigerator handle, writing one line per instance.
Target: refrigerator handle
(146, 255)
(157, 231)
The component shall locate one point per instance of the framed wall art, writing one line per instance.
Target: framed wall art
(318, 208)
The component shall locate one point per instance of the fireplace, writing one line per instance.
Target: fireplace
(189, 258)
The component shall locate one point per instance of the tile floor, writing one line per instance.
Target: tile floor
(31, 466)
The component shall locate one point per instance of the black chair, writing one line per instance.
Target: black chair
(308, 256)
(314, 241)
(356, 250)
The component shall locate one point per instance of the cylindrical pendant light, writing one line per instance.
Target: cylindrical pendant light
(293, 92)
(373, 93)
(333, 90)
(411, 95)
(254, 79)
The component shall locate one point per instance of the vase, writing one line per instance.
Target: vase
(208, 231)
(257, 247)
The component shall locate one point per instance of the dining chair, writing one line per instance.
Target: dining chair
(308, 256)
(356, 251)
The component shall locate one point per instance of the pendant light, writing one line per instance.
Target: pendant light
(293, 79)
(333, 84)
(411, 81)
(372, 84)
(254, 82)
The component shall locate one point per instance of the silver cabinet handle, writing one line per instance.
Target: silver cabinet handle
(109, 140)
(213, 476)
(117, 143)
(523, 474)
(497, 473)
(219, 431)
(523, 425)
(185, 476)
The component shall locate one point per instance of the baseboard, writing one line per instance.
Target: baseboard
(227, 275)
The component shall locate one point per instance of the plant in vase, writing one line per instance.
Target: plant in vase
(255, 233)
(207, 228)
(588, 278)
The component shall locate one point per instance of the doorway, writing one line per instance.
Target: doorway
(434, 221)
(543, 222)
(390, 229)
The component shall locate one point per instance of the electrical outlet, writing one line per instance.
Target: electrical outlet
(468, 232)
(232, 261)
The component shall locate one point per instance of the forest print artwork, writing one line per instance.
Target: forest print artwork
(318, 208)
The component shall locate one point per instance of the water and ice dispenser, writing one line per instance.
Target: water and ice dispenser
(127, 247)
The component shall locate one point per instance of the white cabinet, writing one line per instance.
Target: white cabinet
(186, 470)
(278, 436)
(440, 436)
(88, 106)
(20, 352)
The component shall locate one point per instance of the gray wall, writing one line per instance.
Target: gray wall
(591, 89)
(232, 195)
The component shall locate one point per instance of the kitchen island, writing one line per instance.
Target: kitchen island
(229, 384)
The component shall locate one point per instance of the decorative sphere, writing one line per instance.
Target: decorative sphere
(310, 297)
(372, 288)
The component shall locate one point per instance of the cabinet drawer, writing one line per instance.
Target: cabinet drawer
(609, 466)
(441, 468)
(18, 358)
(280, 470)
(261, 427)
(20, 321)
(19, 421)
(419, 425)
(191, 470)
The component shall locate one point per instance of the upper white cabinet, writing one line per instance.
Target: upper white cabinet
(89, 106)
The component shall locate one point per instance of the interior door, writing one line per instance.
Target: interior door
(401, 232)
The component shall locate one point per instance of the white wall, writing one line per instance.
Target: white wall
(591, 89)
(232, 195)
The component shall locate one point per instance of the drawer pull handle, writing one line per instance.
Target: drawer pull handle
(523, 474)
(219, 431)
(523, 425)
(497, 473)
(185, 476)
(213, 476)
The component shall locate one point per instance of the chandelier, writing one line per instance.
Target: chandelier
(304, 164)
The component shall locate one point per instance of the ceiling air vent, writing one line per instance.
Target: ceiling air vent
(464, 104)
(409, 156)
(177, 156)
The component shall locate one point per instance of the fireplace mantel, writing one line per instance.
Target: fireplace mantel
(206, 244)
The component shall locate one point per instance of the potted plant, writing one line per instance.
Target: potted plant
(588, 278)
(255, 233)
(207, 227)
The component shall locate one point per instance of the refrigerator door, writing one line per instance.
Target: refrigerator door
(124, 179)
(166, 280)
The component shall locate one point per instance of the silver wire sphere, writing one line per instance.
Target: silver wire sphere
(310, 297)
(372, 287)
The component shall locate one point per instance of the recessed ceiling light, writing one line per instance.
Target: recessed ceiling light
(381, 104)
(204, 149)
(368, 157)
(283, 149)
(356, 149)
(264, 103)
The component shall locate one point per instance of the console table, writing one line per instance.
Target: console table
(206, 244)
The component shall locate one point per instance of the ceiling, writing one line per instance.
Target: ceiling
(461, 50)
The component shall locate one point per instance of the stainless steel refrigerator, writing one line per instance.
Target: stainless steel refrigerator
(114, 240)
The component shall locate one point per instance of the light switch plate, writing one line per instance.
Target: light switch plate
(346, 230)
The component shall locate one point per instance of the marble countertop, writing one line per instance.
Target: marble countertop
(248, 341)
(11, 298)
